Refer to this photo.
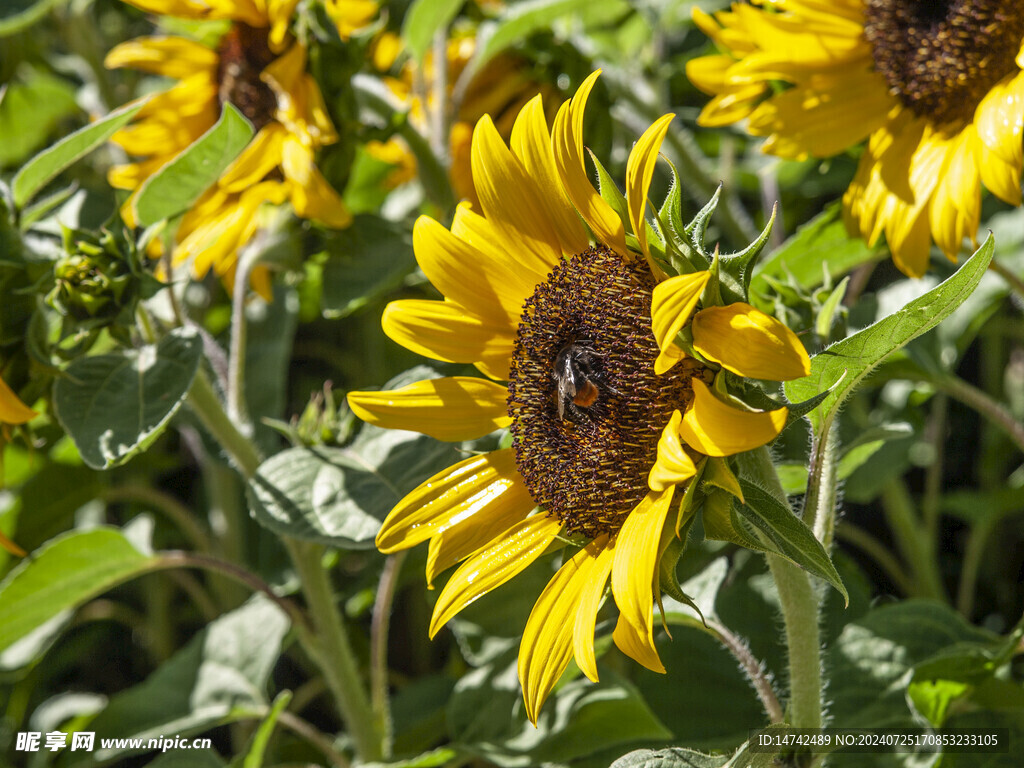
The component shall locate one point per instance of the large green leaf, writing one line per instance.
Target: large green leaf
(31, 106)
(64, 574)
(339, 496)
(219, 676)
(819, 246)
(365, 261)
(579, 719)
(115, 405)
(855, 357)
(171, 191)
(35, 174)
(423, 20)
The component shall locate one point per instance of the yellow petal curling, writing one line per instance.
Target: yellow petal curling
(671, 306)
(174, 57)
(633, 575)
(508, 555)
(451, 409)
(717, 429)
(547, 644)
(673, 464)
(567, 144)
(749, 343)
(639, 172)
(451, 497)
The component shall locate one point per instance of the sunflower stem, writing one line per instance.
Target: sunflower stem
(332, 651)
(819, 511)
(800, 604)
(379, 647)
(328, 644)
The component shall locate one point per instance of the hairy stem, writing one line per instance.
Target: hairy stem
(752, 667)
(332, 651)
(819, 510)
(800, 604)
(379, 646)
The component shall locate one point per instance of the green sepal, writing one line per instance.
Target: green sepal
(696, 231)
(737, 268)
(719, 474)
(610, 193)
(687, 505)
(673, 545)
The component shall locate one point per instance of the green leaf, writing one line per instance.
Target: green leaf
(793, 539)
(675, 757)
(18, 15)
(821, 245)
(176, 186)
(218, 677)
(579, 719)
(366, 261)
(114, 406)
(856, 356)
(339, 496)
(522, 19)
(424, 19)
(47, 164)
(66, 572)
(253, 758)
(31, 106)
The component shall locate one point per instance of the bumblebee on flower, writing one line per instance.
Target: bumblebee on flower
(547, 280)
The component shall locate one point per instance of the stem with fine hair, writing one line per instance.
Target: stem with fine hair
(752, 667)
(800, 603)
(379, 646)
(328, 644)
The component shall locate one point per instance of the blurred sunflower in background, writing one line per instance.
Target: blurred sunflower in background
(500, 88)
(936, 88)
(581, 337)
(260, 69)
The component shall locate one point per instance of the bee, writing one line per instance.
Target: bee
(577, 376)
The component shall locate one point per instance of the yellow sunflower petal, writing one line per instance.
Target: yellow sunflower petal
(955, 208)
(634, 570)
(453, 496)
(443, 330)
(12, 410)
(586, 614)
(531, 143)
(458, 542)
(508, 555)
(671, 306)
(717, 429)
(259, 158)
(639, 172)
(510, 199)
(185, 9)
(174, 57)
(749, 343)
(567, 144)
(491, 288)
(999, 119)
(547, 644)
(453, 408)
(311, 195)
(673, 464)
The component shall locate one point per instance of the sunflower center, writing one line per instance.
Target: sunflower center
(586, 405)
(940, 57)
(244, 52)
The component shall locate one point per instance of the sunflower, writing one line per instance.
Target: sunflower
(260, 69)
(580, 333)
(936, 88)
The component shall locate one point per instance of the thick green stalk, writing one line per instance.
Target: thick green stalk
(332, 651)
(800, 605)
(328, 646)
